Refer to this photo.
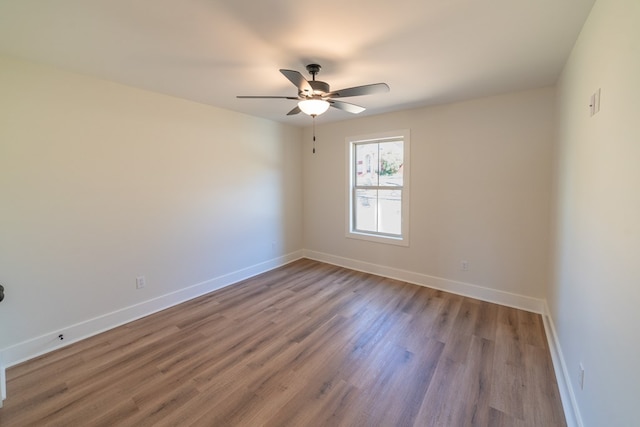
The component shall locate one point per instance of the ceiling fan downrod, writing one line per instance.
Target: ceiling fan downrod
(313, 69)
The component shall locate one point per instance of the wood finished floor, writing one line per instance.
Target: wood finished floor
(308, 344)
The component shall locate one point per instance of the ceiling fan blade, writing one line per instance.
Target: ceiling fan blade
(269, 97)
(359, 90)
(294, 111)
(345, 106)
(298, 80)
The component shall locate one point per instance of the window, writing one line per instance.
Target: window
(378, 187)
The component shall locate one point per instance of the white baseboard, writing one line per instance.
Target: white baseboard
(45, 343)
(567, 395)
(535, 305)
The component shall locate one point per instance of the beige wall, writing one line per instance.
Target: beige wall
(480, 178)
(100, 183)
(595, 290)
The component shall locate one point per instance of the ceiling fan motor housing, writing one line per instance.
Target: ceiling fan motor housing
(319, 88)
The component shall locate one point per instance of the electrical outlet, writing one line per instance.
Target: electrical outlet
(141, 282)
(464, 265)
(581, 376)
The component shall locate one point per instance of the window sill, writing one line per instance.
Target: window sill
(388, 240)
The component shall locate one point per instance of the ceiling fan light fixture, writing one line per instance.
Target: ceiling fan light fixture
(313, 107)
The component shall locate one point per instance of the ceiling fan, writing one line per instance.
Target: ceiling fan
(315, 96)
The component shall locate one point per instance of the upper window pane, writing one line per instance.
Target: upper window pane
(366, 164)
(391, 157)
(379, 164)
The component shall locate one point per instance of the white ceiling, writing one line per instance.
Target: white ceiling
(209, 51)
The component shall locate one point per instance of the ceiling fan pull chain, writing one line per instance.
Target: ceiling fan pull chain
(314, 133)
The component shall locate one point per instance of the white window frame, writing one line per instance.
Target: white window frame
(351, 232)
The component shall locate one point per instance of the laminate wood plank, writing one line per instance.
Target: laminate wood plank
(447, 311)
(485, 326)
(306, 344)
(508, 375)
(531, 329)
(477, 378)
(412, 376)
(441, 404)
(313, 390)
(545, 407)
(30, 387)
(500, 419)
(118, 414)
(306, 362)
(152, 412)
(459, 391)
(507, 390)
(459, 337)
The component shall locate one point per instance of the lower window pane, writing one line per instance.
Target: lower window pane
(366, 210)
(390, 211)
(378, 211)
